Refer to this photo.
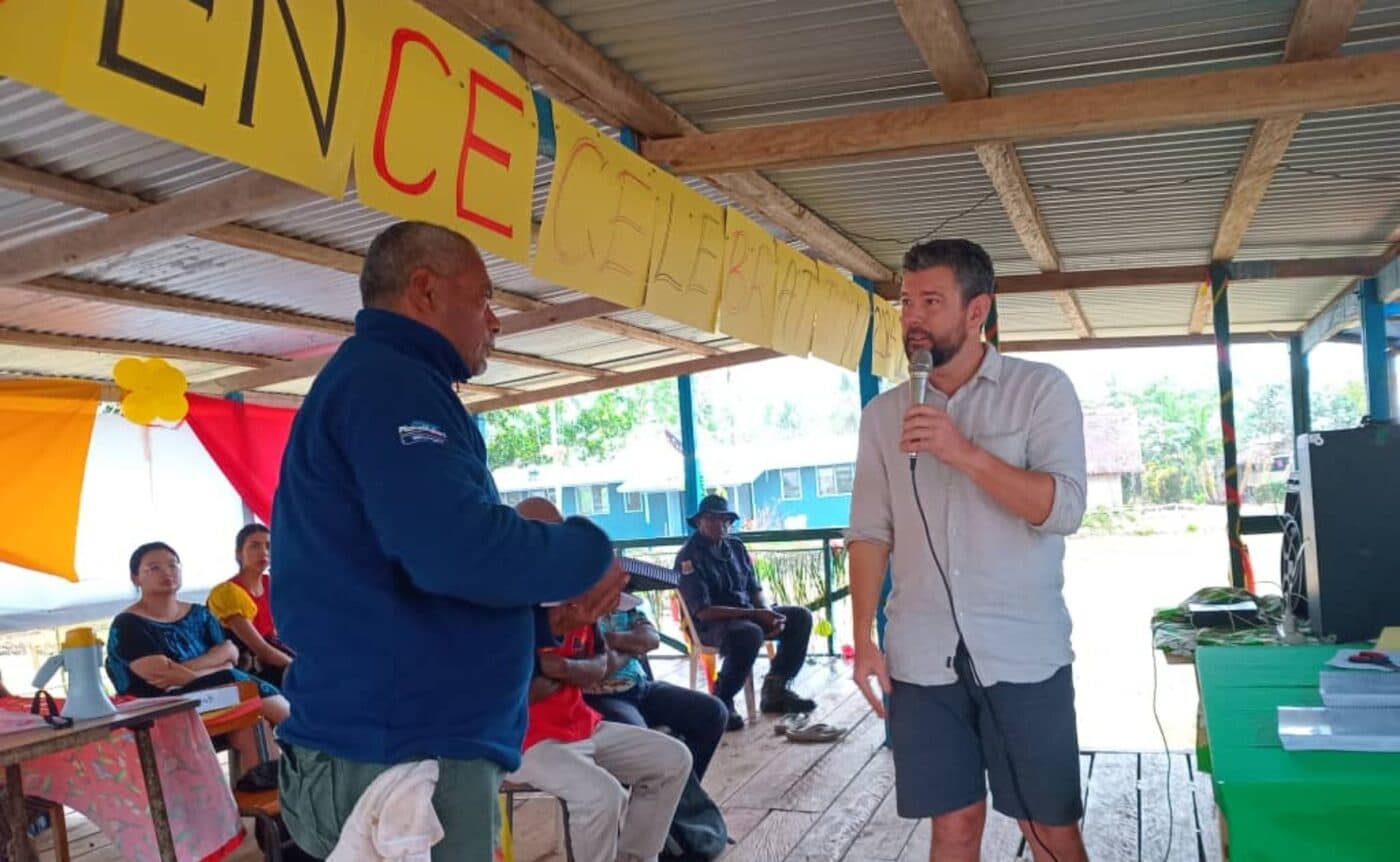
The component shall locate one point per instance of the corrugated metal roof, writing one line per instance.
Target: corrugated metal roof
(197, 267)
(26, 309)
(1029, 315)
(1338, 190)
(726, 63)
(886, 205)
(94, 365)
(1281, 302)
(38, 130)
(1124, 310)
(24, 219)
(1121, 194)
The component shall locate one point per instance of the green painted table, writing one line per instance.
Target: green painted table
(1280, 805)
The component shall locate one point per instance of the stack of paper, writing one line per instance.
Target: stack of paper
(1322, 728)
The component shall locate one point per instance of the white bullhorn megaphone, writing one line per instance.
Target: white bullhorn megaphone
(82, 658)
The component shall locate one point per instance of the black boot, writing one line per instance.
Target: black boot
(778, 697)
(735, 721)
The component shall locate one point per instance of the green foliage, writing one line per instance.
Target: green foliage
(1333, 409)
(588, 428)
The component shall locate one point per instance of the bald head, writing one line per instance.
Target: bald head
(539, 509)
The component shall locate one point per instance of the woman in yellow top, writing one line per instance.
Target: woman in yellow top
(241, 605)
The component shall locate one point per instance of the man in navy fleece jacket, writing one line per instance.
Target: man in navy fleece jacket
(405, 586)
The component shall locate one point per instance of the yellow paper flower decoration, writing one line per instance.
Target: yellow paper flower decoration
(155, 390)
(824, 629)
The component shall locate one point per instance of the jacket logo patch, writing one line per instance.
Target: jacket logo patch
(419, 431)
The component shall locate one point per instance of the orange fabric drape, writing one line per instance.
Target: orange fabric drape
(45, 431)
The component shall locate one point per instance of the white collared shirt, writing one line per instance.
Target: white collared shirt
(1006, 575)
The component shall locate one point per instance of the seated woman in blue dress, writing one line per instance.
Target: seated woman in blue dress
(162, 646)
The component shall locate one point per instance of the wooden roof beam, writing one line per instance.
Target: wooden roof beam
(1319, 28)
(243, 195)
(133, 347)
(38, 183)
(628, 378)
(938, 29)
(1150, 104)
(618, 98)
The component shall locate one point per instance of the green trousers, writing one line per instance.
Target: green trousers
(319, 791)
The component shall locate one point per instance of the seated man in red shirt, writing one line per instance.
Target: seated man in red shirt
(620, 782)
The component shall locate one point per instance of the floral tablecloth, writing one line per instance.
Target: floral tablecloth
(102, 781)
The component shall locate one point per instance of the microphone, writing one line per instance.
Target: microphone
(920, 364)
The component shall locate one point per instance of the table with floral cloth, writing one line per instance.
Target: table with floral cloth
(102, 780)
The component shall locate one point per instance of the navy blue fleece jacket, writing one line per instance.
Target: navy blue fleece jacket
(403, 584)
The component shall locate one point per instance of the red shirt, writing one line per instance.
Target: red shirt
(262, 622)
(563, 716)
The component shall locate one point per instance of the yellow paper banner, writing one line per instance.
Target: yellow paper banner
(598, 222)
(32, 34)
(261, 83)
(687, 256)
(448, 133)
(45, 431)
(749, 284)
(887, 347)
(840, 320)
(793, 310)
(861, 309)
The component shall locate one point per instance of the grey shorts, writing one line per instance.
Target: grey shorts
(946, 751)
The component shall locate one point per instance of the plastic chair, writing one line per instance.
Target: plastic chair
(702, 653)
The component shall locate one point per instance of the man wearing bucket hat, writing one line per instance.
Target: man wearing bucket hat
(723, 594)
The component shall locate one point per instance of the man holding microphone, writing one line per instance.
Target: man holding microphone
(967, 498)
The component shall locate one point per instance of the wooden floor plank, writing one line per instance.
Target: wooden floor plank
(1111, 817)
(783, 783)
(1001, 837)
(745, 753)
(838, 827)
(1168, 823)
(884, 835)
(837, 762)
(917, 848)
(1206, 816)
(742, 821)
(773, 839)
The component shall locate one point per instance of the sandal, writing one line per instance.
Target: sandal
(819, 732)
(791, 721)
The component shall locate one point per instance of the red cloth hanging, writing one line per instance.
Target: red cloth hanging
(246, 441)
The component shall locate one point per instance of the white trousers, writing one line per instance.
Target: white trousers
(606, 822)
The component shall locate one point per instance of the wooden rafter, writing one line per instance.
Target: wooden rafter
(243, 195)
(1319, 28)
(556, 55)
(1150, 104)
(90, 196)
(628, 378)
(1123, 343)
(1143, 276)
(938, 29)
(528, 361)
(138, 297)
(134, 347)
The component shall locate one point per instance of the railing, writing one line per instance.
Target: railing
(781, 570)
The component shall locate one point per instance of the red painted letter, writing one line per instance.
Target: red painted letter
(402, 37)
(472, 141)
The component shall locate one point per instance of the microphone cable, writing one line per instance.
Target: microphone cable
(976, 682)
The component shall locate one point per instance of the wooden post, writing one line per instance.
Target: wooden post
(1220, 305)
